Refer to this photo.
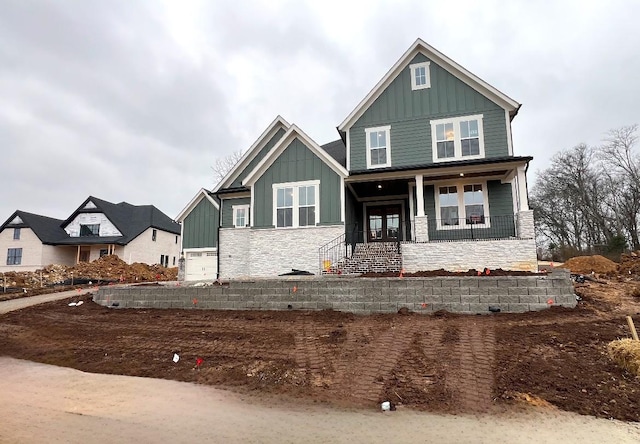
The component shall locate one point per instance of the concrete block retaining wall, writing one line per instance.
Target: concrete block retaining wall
(358, 295)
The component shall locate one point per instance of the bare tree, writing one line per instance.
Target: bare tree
(622, 166)
(223, 165)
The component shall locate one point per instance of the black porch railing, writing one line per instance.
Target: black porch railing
(473, 228)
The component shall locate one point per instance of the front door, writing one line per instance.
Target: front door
(383, 223)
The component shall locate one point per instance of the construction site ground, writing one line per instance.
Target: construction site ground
(439, 363)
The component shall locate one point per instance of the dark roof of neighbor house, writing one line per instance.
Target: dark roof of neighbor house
(130, 220)
(48, 229)
(337, 150)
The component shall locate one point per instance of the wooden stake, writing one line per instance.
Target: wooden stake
(632, 327)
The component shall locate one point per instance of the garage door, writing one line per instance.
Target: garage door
(201, 265)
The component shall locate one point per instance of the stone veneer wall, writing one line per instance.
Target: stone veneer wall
(508, 254)
(358, 295)
(270, 252)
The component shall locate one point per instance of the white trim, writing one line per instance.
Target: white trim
(427, 73)
(387, 130)
(522, 189)
(348, 149)
(246, 158)
(412, 214)
(509, 136)
(194, 202)
(292, 133)
(419, 196)
(296, 205)
(342, 201)
(457, 141)
(251, 212)
(234, 209)
(461, 215)
(514, 195)
(420, 47)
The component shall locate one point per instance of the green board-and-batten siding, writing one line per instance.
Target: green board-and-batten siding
(297, 163)
(200, 227)
(258, 157)
(500, 212)
(409, 114)
(226, 208)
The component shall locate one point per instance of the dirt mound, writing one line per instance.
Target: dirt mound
(588, 264)
(630, 263)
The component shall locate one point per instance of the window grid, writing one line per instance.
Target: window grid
(14, 256)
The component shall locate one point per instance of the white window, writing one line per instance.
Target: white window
(378, 147)
(420, 75)
(462, 205)
(296, 204)
(240, 216)
(458, 138)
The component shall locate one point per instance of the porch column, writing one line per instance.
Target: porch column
(78, 255)
(523, 199)
(419, 196)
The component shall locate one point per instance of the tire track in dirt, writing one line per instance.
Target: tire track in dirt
(374, 364)
(470, 376)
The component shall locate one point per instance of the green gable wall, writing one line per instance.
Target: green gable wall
(409, 113)
(297, 163)
(256, 159)
(200, 227)
(226, 209)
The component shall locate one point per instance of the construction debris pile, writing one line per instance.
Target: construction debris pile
(103, 270)
(630, 264)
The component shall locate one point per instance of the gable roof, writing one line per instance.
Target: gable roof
(419, 46)
(47, 229)
(202, 194)
(293, 133)
(253, 150)
(130, 220)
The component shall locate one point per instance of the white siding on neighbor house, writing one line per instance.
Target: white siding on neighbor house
(144, 249)
(106, 227)
(271, 252)
(31, 250)
(61, 255)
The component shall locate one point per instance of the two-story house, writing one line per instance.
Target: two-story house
(422, 177)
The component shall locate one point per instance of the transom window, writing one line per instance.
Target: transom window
(378, 147)
(458, 138)
(90, 230)
(240, 216)
(462, 205)
(420, 75)
(296, 204)
(14, 256)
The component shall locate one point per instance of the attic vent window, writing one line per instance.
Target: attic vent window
(90, 230)
(420, 75)
(154, 235)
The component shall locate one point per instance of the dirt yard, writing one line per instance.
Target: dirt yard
(440, 363)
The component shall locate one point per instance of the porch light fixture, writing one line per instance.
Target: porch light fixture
(379, 186)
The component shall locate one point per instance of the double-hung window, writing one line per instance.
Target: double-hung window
(420, 76)
(378, 147)
(296, 204)
(458, 138)
(462, 205)
(14, 256)
(240, 216)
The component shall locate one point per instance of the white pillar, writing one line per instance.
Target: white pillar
(522, 189)
(419, 196)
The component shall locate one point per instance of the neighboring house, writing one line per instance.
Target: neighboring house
(423, 177)
(96, 228)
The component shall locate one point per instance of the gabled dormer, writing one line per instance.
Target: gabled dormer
(427, 109)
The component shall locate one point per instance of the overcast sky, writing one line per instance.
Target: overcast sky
(134, 100)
